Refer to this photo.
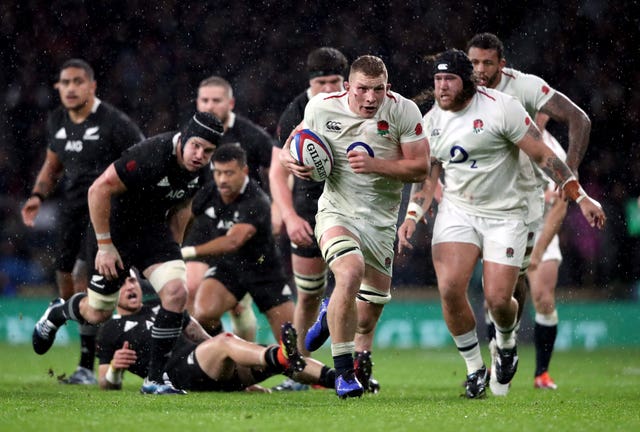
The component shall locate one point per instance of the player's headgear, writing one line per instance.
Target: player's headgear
(203, 125)
(326, 61)
(455, 62)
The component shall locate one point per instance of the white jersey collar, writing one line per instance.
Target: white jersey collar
(96, 104)
(231, 120)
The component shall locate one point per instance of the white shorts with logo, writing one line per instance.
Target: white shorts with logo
(376, 243)
(502, 241)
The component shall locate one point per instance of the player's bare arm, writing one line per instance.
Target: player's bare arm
(46, 180)
(413, 167)
(419, 203)
(236, 237)
(562, 109)
(110, 375)
(560, 173)
(194, 331)
(287, 161)
(103, 188)
(298, 229)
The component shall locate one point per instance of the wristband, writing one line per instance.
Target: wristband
(414, 212)
(103, 236)
(114, 376)
(37, 195)
(188, 252)
(573, 190)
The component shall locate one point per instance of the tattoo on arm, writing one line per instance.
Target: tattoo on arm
(534, 132)
(555, 168)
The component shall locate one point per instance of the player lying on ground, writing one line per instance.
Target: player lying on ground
(198, 361)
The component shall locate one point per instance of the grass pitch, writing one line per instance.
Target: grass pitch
(421, 391)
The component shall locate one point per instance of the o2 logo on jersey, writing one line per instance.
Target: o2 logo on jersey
(73, 146)
(459, 155)
(360, 146)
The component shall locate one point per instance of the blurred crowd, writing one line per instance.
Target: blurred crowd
(150, 56)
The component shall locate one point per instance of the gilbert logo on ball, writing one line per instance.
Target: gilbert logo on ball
(308, 148)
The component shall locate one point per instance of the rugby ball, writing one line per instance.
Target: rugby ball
(309, 148)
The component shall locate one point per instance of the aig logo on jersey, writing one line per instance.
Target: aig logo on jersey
(333, 126)
(73, 146)
(478, 126)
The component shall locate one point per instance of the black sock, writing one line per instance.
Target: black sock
(271, 357)
(491, 331)
(327, 377)
(544, 338)
(88, 345)
(343, 363)
(164, 334)
(68, 311)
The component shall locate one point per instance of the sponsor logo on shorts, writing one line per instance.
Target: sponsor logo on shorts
(510, 252)
(387, 262)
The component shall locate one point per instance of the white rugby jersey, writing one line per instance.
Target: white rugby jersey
(363, 196)
(532, 91)
(477, 149)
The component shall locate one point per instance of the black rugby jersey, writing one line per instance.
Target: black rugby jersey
(86, 149)
(255, 142)
(258, 258)
(305, 193)
(155, 182)
(135, 329)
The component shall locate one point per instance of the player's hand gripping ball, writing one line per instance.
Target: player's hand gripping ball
(309, 148)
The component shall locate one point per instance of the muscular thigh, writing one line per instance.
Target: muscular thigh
(376, 243)
(454, 263)
(213, 296)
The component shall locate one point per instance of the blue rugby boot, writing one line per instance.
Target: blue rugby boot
(319, 332)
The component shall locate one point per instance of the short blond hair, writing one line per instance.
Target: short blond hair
(370, 66)
(217, 81)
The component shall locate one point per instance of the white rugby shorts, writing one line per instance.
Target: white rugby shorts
(376, 243)
(502, 241)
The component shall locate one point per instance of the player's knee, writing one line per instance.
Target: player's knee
(498, 301)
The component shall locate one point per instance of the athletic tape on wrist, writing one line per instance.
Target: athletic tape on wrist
(114, 376)
(573, 190)
(188, 252)
(414, 212)
(103, 236)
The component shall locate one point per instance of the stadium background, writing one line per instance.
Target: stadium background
(150, 56)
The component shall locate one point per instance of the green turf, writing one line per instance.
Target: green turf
(421, 391)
